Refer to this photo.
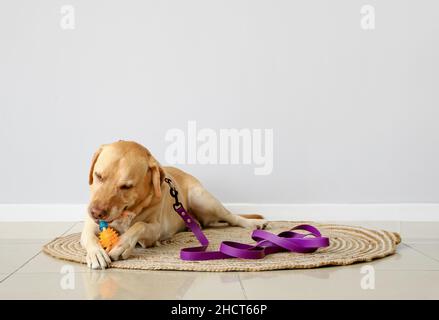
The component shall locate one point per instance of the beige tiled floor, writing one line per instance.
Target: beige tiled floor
(27, 273)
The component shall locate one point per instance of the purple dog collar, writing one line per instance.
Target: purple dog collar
(266, 242)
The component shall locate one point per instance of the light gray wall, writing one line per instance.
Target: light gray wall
(355, 113)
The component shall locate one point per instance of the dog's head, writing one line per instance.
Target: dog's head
(123, 176)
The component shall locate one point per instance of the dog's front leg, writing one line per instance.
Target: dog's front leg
(149, 232)
(97, 257)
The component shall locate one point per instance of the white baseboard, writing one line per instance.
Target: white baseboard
(343, 212)
(42, 212)
(315, 212)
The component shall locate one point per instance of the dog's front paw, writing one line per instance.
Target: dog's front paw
(256, 223)
(97, 258)
(122, 250)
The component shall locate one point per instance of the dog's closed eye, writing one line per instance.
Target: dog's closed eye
(99, 177)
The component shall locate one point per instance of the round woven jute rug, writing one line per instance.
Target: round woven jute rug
(348, 244)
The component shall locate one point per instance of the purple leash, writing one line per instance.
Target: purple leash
(266, 242)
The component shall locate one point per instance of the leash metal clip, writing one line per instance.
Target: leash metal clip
(174, 193)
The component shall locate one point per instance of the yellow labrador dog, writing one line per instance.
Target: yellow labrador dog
(127, 191)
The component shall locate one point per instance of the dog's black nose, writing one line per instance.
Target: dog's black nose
(99, 213)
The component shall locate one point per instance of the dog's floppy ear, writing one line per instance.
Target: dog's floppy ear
(157, 175)
(93, 161)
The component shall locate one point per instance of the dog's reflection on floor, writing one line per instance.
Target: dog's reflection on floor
(129, 284)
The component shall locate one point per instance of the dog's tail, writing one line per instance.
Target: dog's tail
(251, 216)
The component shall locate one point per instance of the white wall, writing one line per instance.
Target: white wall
(354, 112)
